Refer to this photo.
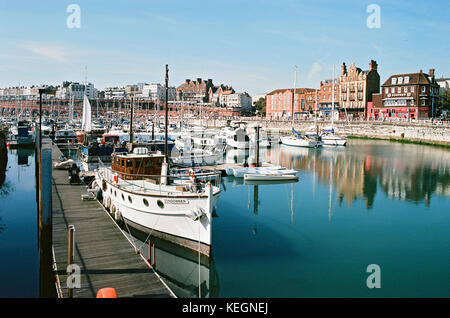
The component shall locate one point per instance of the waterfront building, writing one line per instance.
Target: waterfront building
(279, 103)
(356, 88)
(157, 93)
(444, 84)
(325, 97)
(243, 101)
(194, 90)
(75, 90)
(217, 95)
(115, 93)
(408, 96)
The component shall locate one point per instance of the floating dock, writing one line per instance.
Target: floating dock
(104, 255)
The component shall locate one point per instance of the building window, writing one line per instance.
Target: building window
(424, 89)
(394, 80)
(412, 89)
(399, 90)
(392, 90)
(406, 79)
(405, 89)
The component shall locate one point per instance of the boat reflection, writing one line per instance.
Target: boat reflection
(400, 171)
(187, 275)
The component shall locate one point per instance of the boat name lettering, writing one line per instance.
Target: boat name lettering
(176, 201)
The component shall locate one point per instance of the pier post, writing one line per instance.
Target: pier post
(70, 249)
(46, 279)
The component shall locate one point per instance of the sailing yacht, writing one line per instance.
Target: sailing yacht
(296, 139)
(328, 136)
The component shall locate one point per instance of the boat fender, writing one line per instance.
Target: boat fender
(108, 203)
(118, 216)
(99, 194)
(197, 214)
(107, 293)
(113, 210)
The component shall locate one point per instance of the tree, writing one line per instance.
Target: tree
(260, 105)
(444, 102)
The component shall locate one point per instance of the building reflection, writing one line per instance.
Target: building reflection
(404, 172)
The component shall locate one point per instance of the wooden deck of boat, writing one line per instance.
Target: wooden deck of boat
(105, 257)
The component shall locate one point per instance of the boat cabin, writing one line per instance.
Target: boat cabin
(137, 165)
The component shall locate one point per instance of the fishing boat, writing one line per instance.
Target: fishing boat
(139, 191)
(65, 137)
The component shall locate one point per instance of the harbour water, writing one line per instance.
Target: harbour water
(372, 202)
(19, 266)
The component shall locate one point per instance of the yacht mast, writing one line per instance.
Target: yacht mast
(332, 101)
(293, 95)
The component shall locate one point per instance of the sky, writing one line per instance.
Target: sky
(252, 45)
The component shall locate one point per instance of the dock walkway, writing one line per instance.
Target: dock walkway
(105, 257)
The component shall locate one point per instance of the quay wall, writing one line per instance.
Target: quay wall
(424, 133)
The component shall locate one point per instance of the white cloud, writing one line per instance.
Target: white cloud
(315, 69)
(54, 52)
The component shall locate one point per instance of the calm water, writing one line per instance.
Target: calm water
(373, 202)
(19, 266)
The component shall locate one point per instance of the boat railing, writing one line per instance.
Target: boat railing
(213, 176)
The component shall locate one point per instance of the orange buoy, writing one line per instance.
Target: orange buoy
(8, 144)
(107, 293)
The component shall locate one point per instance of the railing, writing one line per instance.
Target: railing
(109, 175)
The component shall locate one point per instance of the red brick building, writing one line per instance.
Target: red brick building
(356, 89)
(279, 103)
(407, 96)
(194, 90)
(325, 97)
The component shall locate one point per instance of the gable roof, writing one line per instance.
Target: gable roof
(414, 79)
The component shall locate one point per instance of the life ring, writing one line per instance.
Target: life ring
(191, 173)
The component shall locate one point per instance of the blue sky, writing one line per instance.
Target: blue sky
(252, 45)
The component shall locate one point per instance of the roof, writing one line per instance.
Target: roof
(414, 79)
(297, 90)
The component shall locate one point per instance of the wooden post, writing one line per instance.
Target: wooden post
(70, 249)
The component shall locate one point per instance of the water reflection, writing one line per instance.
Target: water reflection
(4, 188)
(401, 171)
(181, 269)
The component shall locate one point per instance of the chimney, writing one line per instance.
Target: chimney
(420, 71)
(431, 72)
(199, 80)
(187, 81)
(344, 69)
(373, 65)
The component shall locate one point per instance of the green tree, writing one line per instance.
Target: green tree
(444, 102)
(260, 106)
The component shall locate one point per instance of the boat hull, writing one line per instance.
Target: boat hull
(334, 141)
(298, 142)
(169, 217)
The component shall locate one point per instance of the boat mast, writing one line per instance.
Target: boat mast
(166, 148)
(293, 95)
(332, 101)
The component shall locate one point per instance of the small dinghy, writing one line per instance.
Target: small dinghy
(63, 165)
(270, 177)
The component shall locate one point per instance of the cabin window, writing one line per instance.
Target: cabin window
(129, 164)
(147, 163)
(160, 204)
(129, 199)
(122, 163)
(115, 193)
(123, 198)
(145, 202)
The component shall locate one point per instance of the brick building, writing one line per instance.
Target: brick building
(407, 96)
(325, 97)
(194, 90)
(356, 88)
(279, 103)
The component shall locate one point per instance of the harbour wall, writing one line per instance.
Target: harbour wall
(409, 132)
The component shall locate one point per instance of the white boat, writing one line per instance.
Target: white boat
(238, 139)
(296, 141)
(270, 177)
(63, 165)
(240, 172)
(330, 139)
(136, 191)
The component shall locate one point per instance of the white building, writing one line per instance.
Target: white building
(115, 93)
(75, 90)
(239, 100)
(157, 92)
(444, 84)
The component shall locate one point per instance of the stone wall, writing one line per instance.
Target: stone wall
(415, 132)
